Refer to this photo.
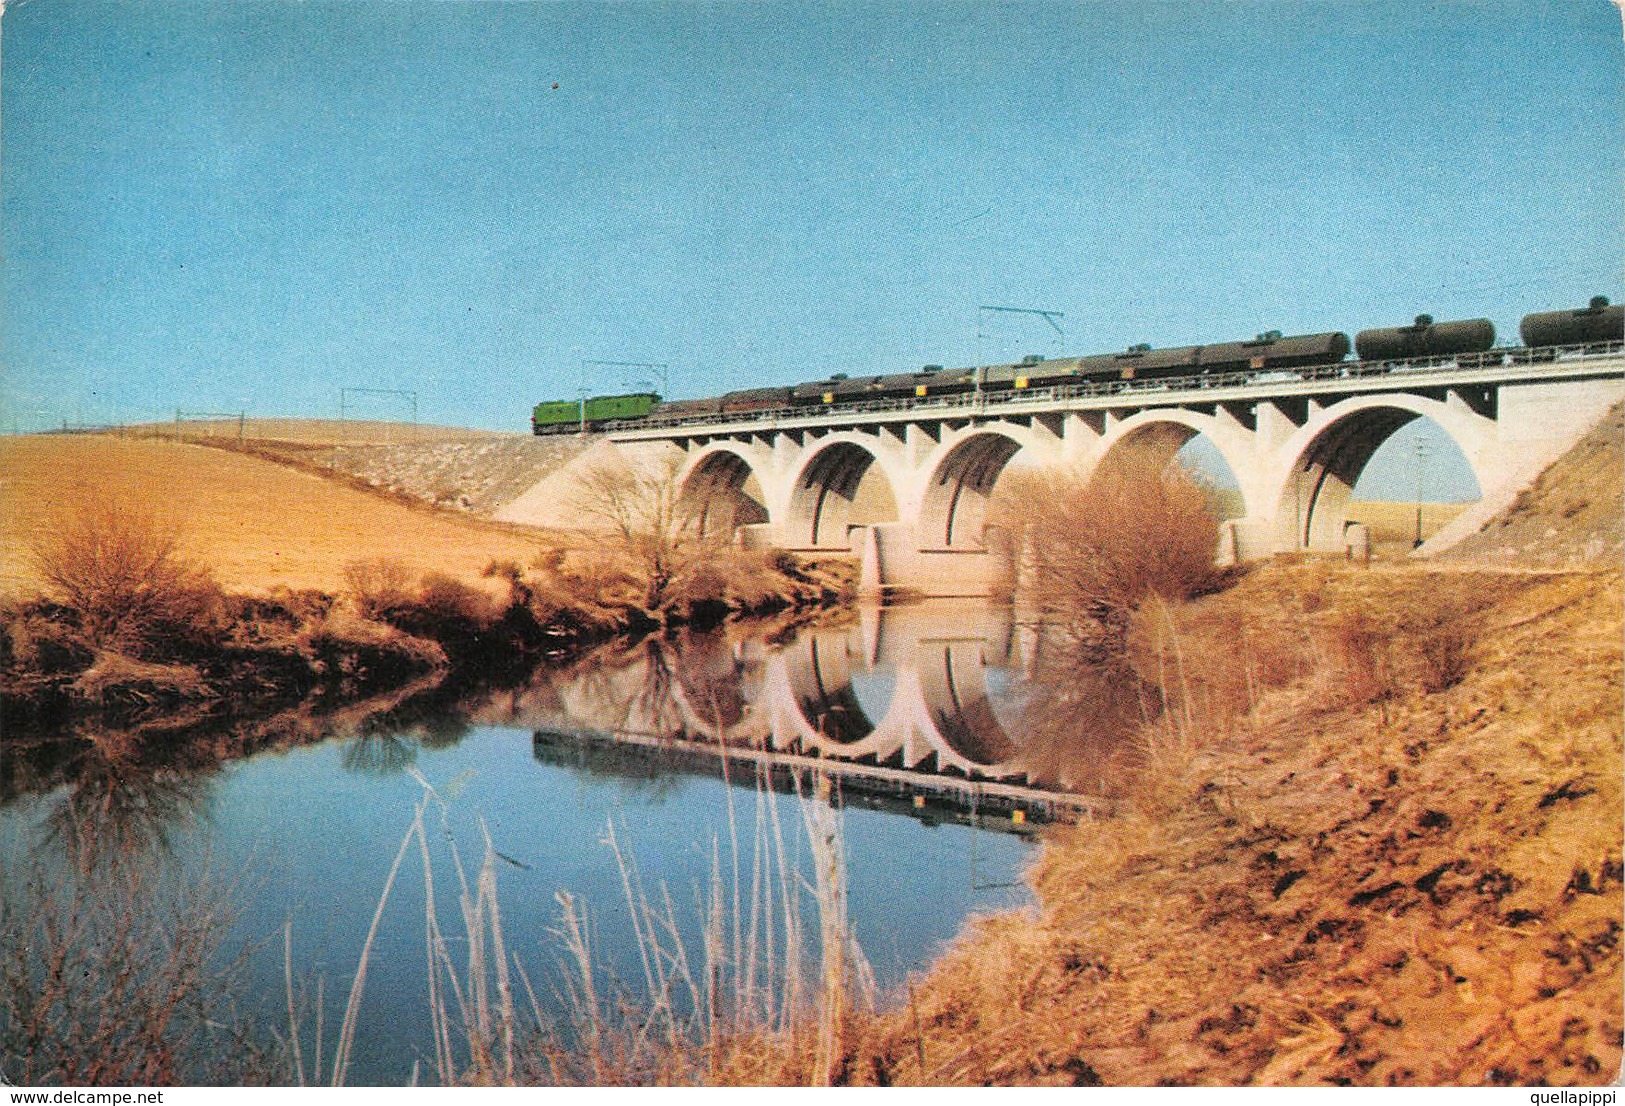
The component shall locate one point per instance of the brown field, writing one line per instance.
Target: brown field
(1392, 525)
(1395, 523)
(256, 524)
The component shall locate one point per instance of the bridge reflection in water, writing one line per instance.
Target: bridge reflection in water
(926, 706)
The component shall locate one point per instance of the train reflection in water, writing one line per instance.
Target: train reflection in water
(925, 708)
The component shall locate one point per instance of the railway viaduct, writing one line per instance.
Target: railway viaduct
(807, 480)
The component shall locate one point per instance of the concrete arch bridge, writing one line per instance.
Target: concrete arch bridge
(904, 487)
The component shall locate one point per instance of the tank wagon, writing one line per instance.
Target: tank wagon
(1469, 343)
(1593, 325)
(1425, 340)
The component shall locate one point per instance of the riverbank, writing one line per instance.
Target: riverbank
(1369, 844)
(195, 654)
(155, 583)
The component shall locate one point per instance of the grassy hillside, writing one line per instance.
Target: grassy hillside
(1572, 515)
(256, 523)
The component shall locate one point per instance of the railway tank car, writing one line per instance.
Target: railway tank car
(1425, 339)
(1585, 326)
(1272, 352)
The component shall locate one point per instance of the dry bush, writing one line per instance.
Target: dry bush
(448, 599)
(116, 679)
(1420, 638)
(737, 580)
(377, 586)
(1094, 547)
(1442, 626)
(598, 578)
(120, 569)
(637, 521)
(117, 978)
(1360, 656)
(349, 649)
(42, 637)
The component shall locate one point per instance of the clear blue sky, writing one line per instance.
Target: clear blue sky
(244, 205)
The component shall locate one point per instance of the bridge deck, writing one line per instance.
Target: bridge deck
(987, 796)
(1348, 378)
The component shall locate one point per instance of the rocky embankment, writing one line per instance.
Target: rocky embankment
(1571, 516)
(477, 474)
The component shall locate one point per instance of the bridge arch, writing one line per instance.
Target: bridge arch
(1322, 461)
(960, 477)
(960, 716)
(721, 490)
(1163, 432)
(825, 500)
(819, 674)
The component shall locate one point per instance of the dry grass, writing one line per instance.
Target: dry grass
(714, 1006)
(733, 1005)
(1092, 548)
(1415, 880)
(256, 524)
(1570, 517)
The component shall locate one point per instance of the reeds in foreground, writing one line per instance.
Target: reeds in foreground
(722, 988)
(721, 1005)
(473, 1021)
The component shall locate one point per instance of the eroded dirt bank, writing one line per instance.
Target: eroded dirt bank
(1362, 881)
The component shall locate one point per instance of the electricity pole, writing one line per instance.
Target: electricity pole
(1422, 451)
(1048, 316)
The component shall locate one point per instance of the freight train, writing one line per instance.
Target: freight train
(1468, 343)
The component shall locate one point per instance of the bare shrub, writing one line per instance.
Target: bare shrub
(1093, 547)
(449, 599)
(117, 978)
(120, 569)
(640, 550)
(637, 520)
(377, 586)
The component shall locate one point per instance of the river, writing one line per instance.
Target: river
(680, 769)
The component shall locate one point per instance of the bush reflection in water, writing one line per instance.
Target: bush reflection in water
(113, 963)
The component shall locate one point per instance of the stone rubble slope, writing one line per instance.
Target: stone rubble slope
(1571, 516)
(478, 475)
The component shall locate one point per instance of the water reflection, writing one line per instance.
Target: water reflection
(959, 698)
(308, 807)
(966, 703)
(115, 813)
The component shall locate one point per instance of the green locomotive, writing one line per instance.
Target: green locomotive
(560, 416)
